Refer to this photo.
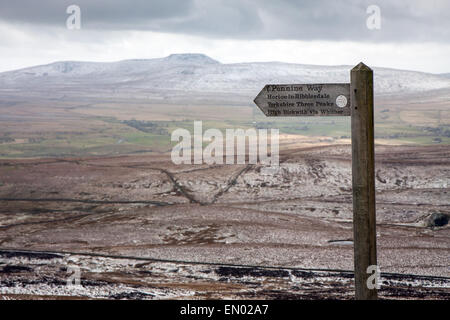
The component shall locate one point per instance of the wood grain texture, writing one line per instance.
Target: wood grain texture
(363, 178)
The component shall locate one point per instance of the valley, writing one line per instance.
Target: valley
(87, 184)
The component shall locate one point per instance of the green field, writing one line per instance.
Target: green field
(98, 135)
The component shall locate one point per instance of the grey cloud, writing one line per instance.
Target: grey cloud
(110, 14)
(414, 20)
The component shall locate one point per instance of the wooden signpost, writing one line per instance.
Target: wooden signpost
(338, 99)
(299, 100)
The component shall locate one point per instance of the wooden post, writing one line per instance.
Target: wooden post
(363, 178)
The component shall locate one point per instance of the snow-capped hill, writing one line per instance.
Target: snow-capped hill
(200, 73)
(68, 69)
(190, 58)
(60, 68)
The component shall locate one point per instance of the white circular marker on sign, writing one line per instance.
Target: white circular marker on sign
(341, 101)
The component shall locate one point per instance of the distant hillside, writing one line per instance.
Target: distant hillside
(200, 73)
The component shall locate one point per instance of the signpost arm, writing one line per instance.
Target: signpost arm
(363, 178)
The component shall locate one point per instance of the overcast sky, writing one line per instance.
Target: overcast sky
(413, 34)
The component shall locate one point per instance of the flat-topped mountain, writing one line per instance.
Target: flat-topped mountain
(200, 73)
